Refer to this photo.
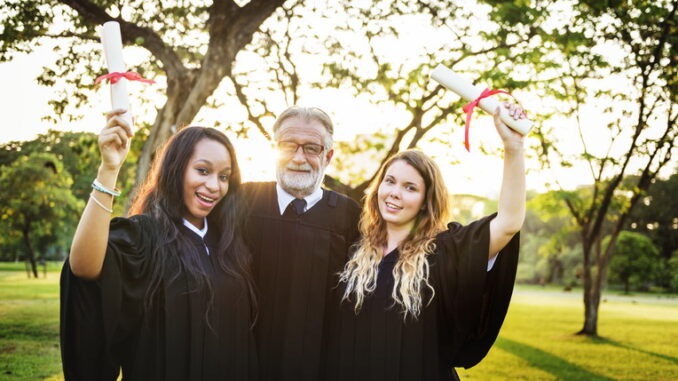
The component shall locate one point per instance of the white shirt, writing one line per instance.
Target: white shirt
(490, 263)
(201, 232)
(284, 198)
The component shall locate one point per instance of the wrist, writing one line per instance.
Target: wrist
(513, 146)
(107, 176)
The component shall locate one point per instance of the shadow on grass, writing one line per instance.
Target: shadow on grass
(547, 362)
(602, 340)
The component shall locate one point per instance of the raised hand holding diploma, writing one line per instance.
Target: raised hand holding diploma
(478, 96)
(114, 142)
(511, 138)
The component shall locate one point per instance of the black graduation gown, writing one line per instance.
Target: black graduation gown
(104, 327)
(456, 329)
(296, 260)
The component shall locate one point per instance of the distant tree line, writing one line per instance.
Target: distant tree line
(45, 183)
(645, 256)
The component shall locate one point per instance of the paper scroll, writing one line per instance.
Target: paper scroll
(112, 43)
(470, 92)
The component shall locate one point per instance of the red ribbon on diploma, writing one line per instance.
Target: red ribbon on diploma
(468, 109)
(115, 77)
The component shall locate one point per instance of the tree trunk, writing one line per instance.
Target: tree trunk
(591, 313)
(590, 303)
(231, 28)
(185, 97)
(29, 250)
(165, 123)
(593, 287)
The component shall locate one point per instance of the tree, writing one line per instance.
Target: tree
(37, 203)
(642, 128)
(558, 257)
(359, 57)
(634, 261)
(79, 154)
(193, 45)
(77, 151)
(672, 273)
(656, 215)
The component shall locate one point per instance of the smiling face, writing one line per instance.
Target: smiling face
(297, 172)
(401, 194)
(205, 180)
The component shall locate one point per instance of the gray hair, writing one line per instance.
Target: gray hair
(307, 114)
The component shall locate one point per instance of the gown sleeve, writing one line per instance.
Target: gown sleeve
(98, 316)
(474, 300)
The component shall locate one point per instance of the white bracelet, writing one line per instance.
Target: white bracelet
(115, 192)
(91, 195)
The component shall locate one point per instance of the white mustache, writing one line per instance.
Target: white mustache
(300, 167)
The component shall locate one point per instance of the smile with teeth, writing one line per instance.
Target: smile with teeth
(393, 206)
(205, 198)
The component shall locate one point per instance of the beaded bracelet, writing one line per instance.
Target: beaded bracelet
(91, 195)
(115, 192)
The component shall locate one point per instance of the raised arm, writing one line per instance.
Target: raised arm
(511, 208)
(91, 237)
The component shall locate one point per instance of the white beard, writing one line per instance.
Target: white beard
(301, 183)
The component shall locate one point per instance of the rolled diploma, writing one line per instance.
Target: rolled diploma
(112, 43)
(468, 91)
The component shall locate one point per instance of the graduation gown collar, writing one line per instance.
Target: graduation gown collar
(284, 198)
(201, 232)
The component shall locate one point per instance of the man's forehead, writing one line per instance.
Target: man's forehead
(299, 126)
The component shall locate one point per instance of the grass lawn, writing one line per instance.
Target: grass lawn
(537, 342)
(29, 324)
(638, 335)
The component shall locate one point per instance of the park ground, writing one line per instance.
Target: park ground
(638, 335)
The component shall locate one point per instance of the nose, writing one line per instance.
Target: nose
(394, 192)
(299, 156)
(212, 183)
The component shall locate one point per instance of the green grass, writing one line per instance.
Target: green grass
(29, 326)
(537, 342)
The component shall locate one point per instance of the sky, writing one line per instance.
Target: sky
(25, 103)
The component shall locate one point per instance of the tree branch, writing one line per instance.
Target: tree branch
(95, 15)
(256, 119)
(73, 35)
(231, 27)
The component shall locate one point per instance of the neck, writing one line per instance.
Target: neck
(395, 234)
(200, 223)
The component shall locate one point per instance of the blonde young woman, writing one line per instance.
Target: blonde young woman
(419, 298)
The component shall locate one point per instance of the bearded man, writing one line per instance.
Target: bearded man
(299, 235)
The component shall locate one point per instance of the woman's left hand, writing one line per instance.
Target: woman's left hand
(511, 139)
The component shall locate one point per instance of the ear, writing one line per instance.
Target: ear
(328, 155)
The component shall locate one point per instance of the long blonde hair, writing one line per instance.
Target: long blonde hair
(411, 273)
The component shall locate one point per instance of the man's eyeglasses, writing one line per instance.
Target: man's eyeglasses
(290, 148)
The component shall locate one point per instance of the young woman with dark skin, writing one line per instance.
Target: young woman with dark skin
(167, 293)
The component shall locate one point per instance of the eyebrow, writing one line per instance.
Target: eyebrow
(406, 183)
(227, 169)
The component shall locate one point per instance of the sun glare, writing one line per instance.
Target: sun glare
(257, 160)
